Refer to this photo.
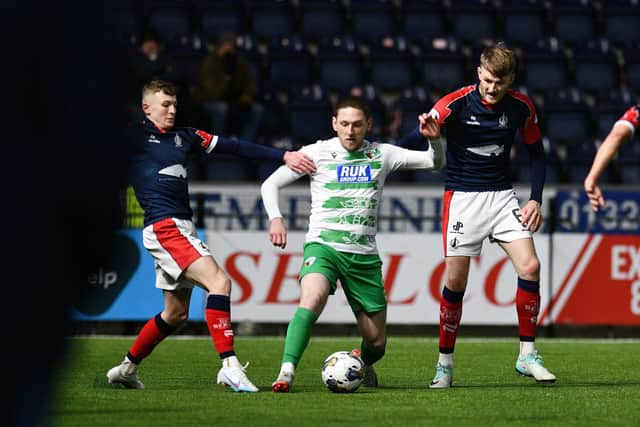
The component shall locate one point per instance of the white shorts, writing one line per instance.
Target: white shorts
(470, 217)
(174, 246)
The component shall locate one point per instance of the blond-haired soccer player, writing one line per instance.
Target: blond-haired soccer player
(481, 121)
(159, 178)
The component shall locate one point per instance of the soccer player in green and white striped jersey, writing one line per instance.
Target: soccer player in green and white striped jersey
(340, 244)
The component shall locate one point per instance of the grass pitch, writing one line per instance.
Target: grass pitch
(598, 384)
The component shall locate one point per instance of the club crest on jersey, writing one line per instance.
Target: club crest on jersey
(178, 141)
(354, 173)
(370, 152)
(503, 121)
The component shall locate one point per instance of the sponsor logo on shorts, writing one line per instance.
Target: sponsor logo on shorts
(354, 173)
(454, 242)
(309, 261)
(457, 227)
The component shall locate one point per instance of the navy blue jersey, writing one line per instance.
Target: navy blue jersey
(479, 137)
(158, 170)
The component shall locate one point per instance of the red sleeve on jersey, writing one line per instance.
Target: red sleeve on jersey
(442, 106)
(632, 115)
(531, 131)
(206, 138)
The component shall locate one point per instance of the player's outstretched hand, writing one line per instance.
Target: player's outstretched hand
(429, 126)
(594, 194)
(278, 233)
(299, 162)
(532, 216)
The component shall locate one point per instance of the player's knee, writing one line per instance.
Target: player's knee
(175, 318)
(531, 269)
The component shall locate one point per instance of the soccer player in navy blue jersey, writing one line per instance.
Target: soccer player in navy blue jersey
(621, 131)
(159, 178)
(481, 121)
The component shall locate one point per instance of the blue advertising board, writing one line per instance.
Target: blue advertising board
(620, 215)
(123, 288)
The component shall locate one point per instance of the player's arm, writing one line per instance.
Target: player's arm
(620, 133)
(295, 160)
(270, 191)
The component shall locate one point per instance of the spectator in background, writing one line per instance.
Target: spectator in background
(621, 131)
(227, 90)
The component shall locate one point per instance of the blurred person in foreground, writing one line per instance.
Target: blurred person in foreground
(622, 131)
(481, 121)
(340, 244)
(159, 178)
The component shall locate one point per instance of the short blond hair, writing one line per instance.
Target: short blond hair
(499, 60)
(158, 85)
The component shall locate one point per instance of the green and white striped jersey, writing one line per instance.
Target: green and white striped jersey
(346, 190)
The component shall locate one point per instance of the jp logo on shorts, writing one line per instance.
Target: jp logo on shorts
(354, 173)
(309, 261)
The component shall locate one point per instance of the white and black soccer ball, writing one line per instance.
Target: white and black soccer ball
(342, 372)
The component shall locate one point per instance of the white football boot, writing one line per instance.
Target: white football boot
(532, 365)
(232, 374)
(125, 374)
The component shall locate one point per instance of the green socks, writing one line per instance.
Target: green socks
(298, 334)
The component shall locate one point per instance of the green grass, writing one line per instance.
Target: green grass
(598, 384)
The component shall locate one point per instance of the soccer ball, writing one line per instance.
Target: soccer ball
(342, 372)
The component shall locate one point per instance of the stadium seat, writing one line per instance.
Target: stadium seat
(443, 65)
(271, 19)
(289, 64)
(524, 21)
(340, 66)
(544, 65)
(171, 19)
(573, 20)
(631, 55)
(522, 161)
(310, 115)
(609, 105)
(596, 65)
(621, 18)
(566, 117)
(322, 19)
(372, 19)
(408, 106)
(219, 16)
(474, 20)
(423, 19)
(579, 158)
(126, 25)
(629, 160)
(391, 65)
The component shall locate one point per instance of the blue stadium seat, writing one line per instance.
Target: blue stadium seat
(310, 115)
(289, 64)
(523, 167)
(340, 66)
(609, 105)
(219, 16)
(391, 65)
(443, 65)
(629, 160)
(322, 19)
(621, 18)
(271, 19)
(544, 65)
(409, 105)
(579, 158)
(171, 19)
(423, 19)
(126, 24)
(524, 21)
(372, 19)
(631, 54)
(474, 20)
(566, 117)
(573, 20)
(596, 65)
